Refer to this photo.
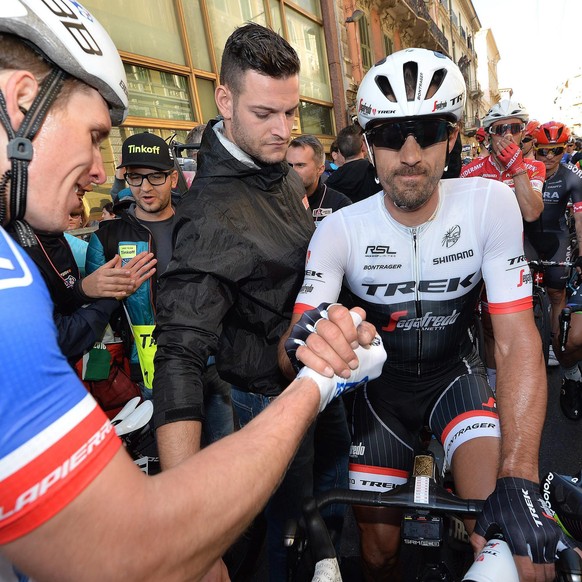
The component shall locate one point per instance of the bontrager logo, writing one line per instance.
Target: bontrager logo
(142, 149)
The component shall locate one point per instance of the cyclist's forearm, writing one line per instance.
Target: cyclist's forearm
(174, 526)
(530, 201)
(521, 401)
(177, 441)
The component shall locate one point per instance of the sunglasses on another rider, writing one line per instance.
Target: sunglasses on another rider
(502, 129)
(155, 178)
(556, 151)
(426, 132)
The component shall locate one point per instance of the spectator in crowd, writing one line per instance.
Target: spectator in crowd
(146, 226)
(570, 151)
(107, 212)
(241, 238)
(356, 177)
(306, 156)
(336, 161)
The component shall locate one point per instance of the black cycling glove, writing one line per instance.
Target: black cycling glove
(529, 528)
(302, 329)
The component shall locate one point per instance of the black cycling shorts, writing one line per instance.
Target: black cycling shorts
(387, 421)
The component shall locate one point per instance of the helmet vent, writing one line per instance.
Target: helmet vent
(435, 83)
(384, 85)
(410, 73)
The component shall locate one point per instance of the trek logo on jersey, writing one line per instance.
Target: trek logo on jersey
(379, 251)
(452, 236)
(516, 261)
(309, 274)
(428, 322)
(453, 257)
(525, 277)
(423, 286)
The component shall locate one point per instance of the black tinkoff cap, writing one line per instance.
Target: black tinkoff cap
(146, 150)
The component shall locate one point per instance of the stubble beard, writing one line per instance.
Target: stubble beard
(410, 197)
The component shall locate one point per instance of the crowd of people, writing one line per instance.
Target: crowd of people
(231, 304)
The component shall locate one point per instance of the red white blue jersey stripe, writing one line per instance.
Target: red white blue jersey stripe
(54, 439)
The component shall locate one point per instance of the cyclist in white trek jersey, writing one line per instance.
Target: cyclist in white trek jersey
(72, 504)
(415, 257)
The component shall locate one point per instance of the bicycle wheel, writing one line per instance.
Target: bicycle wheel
(541, 310)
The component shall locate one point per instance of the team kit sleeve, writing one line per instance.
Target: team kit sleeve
(505, 269)
(324, 265)
(54, 439)
(536, 172)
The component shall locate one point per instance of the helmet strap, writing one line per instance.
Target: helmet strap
(20, 152)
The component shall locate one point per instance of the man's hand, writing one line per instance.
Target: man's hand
(516, 508)
(113, 280)
(325, 339)
(509, 154)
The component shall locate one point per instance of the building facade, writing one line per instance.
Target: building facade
(172, 51)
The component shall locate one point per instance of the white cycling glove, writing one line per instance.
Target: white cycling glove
(371, 359)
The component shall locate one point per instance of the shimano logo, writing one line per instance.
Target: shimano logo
(423, 286)
(453, 257)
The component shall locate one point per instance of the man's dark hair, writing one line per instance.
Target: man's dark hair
(255, 48)
(349, 141)
(312, 142)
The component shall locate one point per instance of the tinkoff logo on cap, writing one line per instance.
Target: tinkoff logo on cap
(146, 150)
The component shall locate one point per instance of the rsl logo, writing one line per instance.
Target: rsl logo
(452, 236)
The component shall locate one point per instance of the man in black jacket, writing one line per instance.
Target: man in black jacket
(356, 178)
(241, 237)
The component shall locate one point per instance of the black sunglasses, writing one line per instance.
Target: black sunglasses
(513, 128)
(556, 151)
(426, 132)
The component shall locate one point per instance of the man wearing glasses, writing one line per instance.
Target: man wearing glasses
(415, 257)
(549, 239)
(147, 225)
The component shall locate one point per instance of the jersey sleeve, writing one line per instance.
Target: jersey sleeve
(54, 439)
(505, 270)
(536, 172)
(325, 264)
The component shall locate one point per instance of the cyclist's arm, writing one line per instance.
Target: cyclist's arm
(530, 200)
(174, 525)
(521, 392)
(578, 225)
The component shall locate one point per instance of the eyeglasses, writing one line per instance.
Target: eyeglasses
(155, 178)
(513, 128)
(545, 151)
(426, 132)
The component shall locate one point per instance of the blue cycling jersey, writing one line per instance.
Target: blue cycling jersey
(54, 439)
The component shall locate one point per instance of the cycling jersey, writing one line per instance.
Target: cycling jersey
(564, 186)
(488, 168)
(54, 440)
(419, 286)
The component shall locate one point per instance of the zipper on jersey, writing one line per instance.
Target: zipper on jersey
(417, 303)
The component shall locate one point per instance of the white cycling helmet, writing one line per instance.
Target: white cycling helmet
(505, 109)
(435, 87)
(74, 44)
(73, 40)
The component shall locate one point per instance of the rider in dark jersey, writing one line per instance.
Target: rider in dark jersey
(549, 238)
(415, 257)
